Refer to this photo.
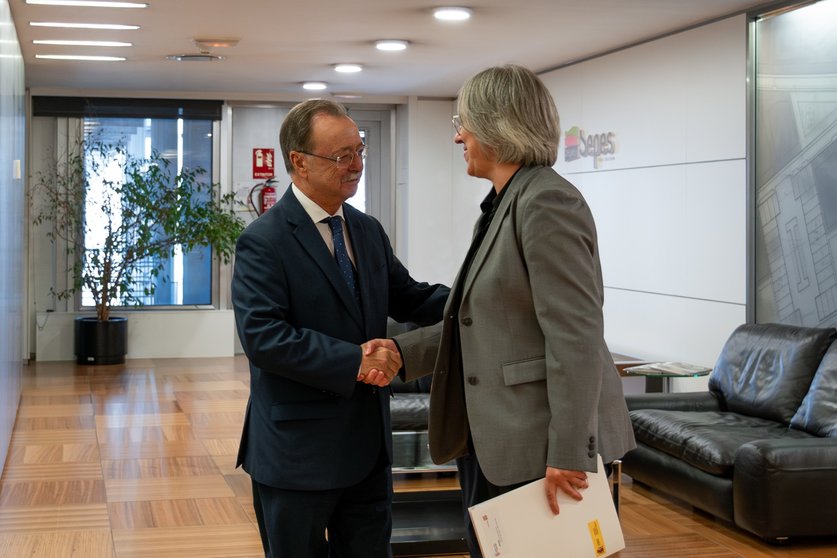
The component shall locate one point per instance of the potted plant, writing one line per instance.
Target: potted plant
(139, 212)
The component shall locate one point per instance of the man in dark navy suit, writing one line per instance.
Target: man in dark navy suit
(315, 279)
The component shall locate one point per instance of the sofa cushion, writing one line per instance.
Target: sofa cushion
(765, 370)
(409, 411)
(818, 413)
(706, 440)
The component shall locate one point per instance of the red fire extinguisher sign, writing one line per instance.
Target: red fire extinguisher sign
(263, 162)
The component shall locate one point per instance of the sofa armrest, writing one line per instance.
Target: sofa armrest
(778, 483)
(689, 401)
(778, 456)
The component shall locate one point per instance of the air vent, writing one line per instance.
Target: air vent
(195, 57)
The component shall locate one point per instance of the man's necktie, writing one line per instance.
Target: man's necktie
(342, 255)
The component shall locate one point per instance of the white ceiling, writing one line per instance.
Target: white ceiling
(284, 43)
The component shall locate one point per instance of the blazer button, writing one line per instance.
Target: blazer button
(473, 380)
(591, 454)
(467, 321)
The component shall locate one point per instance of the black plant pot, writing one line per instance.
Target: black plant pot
(101, 341)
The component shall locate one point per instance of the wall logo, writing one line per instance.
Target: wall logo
(578, 144)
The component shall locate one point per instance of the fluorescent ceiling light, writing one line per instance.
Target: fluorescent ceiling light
(314, 85)
(82, 43)
(89, 3)
(452, 13)
(79, 57)
(348, 68)
(65, 25)
(391, 44)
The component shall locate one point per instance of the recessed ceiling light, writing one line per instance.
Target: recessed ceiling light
(89, 3)
(64, 25)
(206, 44)
(348, 68)
(82, 43)
(314, 85)
(78, 57)
(452, 13)
(391, 44)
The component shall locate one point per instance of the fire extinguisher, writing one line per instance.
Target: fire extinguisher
(267, 195)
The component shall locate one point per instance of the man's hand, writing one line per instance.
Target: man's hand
(380, 363)
(570, 482)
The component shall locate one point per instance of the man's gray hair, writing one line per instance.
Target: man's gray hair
(295, 133)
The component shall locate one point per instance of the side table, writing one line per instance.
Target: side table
(427, 515)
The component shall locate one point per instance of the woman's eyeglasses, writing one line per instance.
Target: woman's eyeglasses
(457, 123)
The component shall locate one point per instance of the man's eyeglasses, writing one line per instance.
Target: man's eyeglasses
(457, 123)
(343, 161)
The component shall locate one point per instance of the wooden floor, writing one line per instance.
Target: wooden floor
(138, 460)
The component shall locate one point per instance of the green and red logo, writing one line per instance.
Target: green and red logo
(578, 144)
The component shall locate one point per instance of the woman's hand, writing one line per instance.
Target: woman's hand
(570, 482)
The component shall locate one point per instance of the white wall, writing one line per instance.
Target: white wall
(154, 334)
(439, 203)
(670, 203)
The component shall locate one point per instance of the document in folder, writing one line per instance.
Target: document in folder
(519, 524)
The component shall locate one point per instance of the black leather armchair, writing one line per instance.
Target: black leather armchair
(760, 447)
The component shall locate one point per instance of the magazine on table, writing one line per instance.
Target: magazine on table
(668, 368)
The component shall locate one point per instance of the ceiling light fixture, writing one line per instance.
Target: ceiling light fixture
(314, 85)
(88, 3)
(452, 13)
(206, 44)
(79, 57)
(348, 68)
(63, 25)
(391, 44)
(81, 43)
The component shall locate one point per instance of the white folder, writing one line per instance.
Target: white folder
(519, 524)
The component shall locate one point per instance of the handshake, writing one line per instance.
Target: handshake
(380, 362)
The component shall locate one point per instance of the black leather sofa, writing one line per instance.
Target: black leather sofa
(759, 448)
(409, 408)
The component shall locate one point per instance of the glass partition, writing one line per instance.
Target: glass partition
(796, 166)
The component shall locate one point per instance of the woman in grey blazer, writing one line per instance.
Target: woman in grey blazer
(523, 383)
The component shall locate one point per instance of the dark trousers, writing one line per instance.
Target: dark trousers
(476, 489)
(352, 522)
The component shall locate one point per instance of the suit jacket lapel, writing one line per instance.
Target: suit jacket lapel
(309, 237)
(491, 234)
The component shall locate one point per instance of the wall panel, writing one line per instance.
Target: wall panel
(12, 214)
(668, 188)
